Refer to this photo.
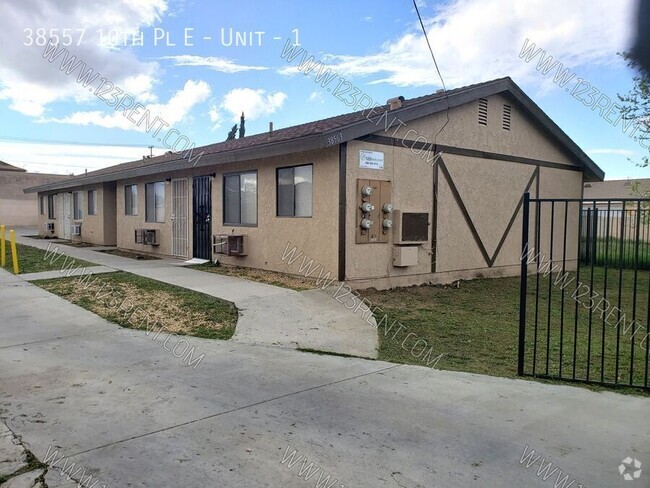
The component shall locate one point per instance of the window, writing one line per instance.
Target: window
(92, 202)
(51, 213)
(482, 111)
(294, 187)
(77, 213)
(154, 195)
(506, 116)
(131, 200)
(240, 199)
(41, 204)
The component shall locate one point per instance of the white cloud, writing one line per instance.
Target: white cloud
(174, 111)
(477, 40)
(64, 158)
(31, 83)
(368, 18)
(254, 103)
(316, 97)
(217, 64)
(215, 117)
(617, 152)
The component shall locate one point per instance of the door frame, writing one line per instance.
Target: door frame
(66, 215)
(208, 239)
(186, 236)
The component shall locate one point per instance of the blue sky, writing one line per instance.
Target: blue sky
(51, 123)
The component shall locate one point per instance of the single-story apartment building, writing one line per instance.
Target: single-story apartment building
(428, 189)
(16, 207)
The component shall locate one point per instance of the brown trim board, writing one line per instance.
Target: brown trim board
(461, 151)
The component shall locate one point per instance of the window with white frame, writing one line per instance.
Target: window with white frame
(294, 191)
(240, 198)
(77, 212)
(154, 195)
(131, 200)
(92, 202)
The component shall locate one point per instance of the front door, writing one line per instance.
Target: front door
(201, 211)
(67, 215)
(179, 218)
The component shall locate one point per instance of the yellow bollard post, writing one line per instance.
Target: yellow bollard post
(14, 252)
(2, 246)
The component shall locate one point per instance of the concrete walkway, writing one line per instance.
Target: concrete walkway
(126, 411)
(268, 314)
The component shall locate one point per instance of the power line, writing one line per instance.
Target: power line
(73, 143)
(426, 37)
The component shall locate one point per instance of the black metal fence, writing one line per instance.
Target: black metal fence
(585, 291)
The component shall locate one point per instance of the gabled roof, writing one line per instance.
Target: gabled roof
(615, 188)
(326, 132)
(8, 167)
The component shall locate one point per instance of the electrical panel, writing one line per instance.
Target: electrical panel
(374, 211)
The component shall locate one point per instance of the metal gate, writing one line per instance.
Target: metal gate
(201, 212)
(179, 218)
(585, 290)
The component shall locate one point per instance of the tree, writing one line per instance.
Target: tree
(636, 105)
(242, 128)
(231, 134)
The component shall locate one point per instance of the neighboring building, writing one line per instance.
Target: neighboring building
(607, 218)
(17, 208)
(612, 189)
(456, 215)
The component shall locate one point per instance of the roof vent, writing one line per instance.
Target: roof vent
(394, 103)
(482, 111)
(270, 128)
(506, 117)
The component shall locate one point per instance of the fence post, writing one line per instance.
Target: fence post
(14, 252)
(524, 283)
(2, 246)
(588, 237)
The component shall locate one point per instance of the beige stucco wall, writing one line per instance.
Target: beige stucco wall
(16, 207)
(127, 224)
(95, 228)
(316, 237)
(490, 190)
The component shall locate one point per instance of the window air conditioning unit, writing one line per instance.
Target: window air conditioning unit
(146, 236)
(410, 227)
(48, 227)
(76, 229)
(151, 237)
(229, 244)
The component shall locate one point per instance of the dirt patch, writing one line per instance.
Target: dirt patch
(292, 282)
(129, 254)
(139, 303)
(77, 244)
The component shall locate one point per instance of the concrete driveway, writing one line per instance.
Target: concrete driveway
(131, 414)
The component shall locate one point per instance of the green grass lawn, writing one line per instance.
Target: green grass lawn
(32, 260)
(616, 254)
(570, 326)
(176, 309)
(476, 325)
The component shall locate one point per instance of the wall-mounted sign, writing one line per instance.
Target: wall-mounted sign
(371, 159)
